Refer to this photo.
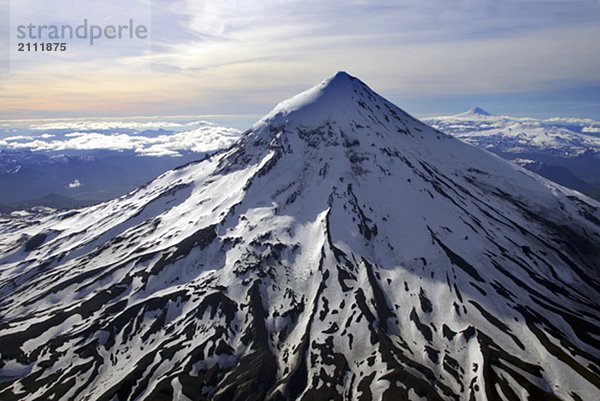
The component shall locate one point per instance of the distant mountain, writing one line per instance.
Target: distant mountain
(521, 135)
(474, 112)
(339, 250)
(560, 175)
(566, 150)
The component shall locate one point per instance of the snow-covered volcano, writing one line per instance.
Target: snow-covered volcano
(474, 113)
(340, 250)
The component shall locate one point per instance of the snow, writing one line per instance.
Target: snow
(318, 104)
(567, 137)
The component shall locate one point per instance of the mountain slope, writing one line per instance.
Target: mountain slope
(339, 250)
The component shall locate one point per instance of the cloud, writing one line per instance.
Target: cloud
(591, 130)
(203, 139)
(569, 120)
(18, 138)
(91, 125)
(422, 21)
(74, 184)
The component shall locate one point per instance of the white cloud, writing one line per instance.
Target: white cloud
(199, 141)
(74, 184)
(91, 125)
(570, 120)
(206, 138)
(437, 49)
(18, 138)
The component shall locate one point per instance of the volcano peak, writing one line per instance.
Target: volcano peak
(475, 112)
(340, 80)
(335, 96)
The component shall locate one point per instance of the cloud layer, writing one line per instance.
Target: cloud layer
(156, 138)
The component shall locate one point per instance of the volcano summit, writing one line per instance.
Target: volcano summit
(339, 250)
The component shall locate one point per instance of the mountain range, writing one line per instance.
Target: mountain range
(564, 150)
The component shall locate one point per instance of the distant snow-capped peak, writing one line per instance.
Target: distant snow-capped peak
(474, 112)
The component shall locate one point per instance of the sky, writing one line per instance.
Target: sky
(237, 59)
